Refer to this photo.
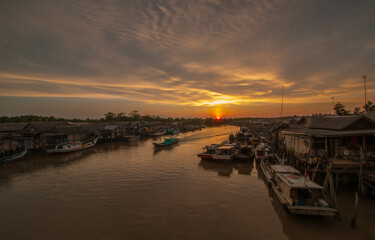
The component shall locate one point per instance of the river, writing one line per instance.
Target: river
(124, 190)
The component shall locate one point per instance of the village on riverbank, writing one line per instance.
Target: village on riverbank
(330, 149)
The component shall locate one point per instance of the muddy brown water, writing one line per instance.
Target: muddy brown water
(130, 191)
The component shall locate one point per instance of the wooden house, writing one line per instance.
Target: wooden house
(328, 136)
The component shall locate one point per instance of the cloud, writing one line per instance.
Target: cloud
(194, 53)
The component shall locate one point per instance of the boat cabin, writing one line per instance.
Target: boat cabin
(296, 188)
(226, 150)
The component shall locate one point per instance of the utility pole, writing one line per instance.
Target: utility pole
(364, 81)
(282, 102)
(333, 105)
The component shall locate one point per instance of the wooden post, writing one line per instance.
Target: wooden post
(364, 143)
(354, 219)
(326, 147)
(360, 180)
(315, 170)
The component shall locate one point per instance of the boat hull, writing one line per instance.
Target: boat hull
(13, 158)
(74, 149)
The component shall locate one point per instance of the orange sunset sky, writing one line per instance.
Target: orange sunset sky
(184, 58)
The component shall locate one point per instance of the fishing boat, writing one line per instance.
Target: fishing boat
(13, 157)
(296, 192)
(245, 153)
(261, 151)
(131, 138)
(156, 133)
(72, 146)
(208, 152)
(167, 142)
(225, 153)
(172, 131)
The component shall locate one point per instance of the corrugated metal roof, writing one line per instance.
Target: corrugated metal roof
(333, 122)
(371, 116)
(328, 133)
(11, 127)
(69, 130)
(44, 126)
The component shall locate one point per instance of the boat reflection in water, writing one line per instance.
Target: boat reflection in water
(225, 169)
(40, 160)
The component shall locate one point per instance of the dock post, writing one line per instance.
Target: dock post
(354, 218)
(360, 180)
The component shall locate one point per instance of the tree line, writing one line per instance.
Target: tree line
(132, 116)
(340, 109)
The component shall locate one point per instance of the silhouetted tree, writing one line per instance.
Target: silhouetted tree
(340, 109)
(110, 116)
(357, 111)
(369, 107)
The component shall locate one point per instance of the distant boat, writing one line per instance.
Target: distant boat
(295, 192)
(131, 138)
(172, 131)
(208, 152)
(72, 146)
(261, 151)
(245, 153)
(156, 133)
(219, 153)
(13, 157)
(167, 142)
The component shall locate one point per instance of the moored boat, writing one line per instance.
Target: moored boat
(296, 192)
(245, 153)
(72, 146)
(208, 151)
(167, 142)
(156, 133)
(131, 138)
(225, 153)
(14, 157)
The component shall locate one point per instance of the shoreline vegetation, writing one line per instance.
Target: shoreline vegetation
(134, 116)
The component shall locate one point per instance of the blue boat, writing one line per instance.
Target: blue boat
(167, 142)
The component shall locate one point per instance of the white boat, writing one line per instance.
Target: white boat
(13, 157)
(72, 146)
(296, 193)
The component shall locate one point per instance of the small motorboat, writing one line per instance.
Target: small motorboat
(167, 142)
(14, 157)
(72, 146)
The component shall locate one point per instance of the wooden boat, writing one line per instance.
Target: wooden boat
(72, 146)
(13, 157)
(172, 131)
(261, 152)
(225, 153)
(167, 142)
(295, 192)
(131, 138)
(245, 153)
(156, 133)
(208, 152)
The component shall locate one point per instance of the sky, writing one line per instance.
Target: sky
(185, 58)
